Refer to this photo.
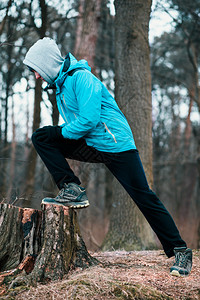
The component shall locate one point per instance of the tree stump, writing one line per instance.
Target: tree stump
(45, 244)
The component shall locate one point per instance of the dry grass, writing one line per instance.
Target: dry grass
(122, 275)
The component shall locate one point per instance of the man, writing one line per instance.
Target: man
(95, 130)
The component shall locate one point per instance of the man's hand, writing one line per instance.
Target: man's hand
(49, 133)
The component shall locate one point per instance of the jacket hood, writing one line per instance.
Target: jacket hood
(45, 58)
(70, 63)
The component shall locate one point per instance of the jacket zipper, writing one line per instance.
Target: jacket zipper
(110, 132)
(67, 107)
(62, 109)
(64, 100)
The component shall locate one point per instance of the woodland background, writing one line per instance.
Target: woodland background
(88, 30)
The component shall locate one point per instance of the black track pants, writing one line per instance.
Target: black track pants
(127, 168)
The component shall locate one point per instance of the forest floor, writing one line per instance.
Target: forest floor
(121, 275)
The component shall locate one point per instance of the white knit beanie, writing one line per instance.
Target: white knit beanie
(45, 58)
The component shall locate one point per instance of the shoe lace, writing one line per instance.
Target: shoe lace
(61, 192)
(64, 191)
(181, 260)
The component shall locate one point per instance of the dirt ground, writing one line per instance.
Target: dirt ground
(122, 275)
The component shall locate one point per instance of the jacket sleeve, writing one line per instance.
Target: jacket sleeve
(87, 90)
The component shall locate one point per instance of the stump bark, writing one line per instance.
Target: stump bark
(44, 244)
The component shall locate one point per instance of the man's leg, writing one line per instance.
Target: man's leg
(54, 154)
(127, 168)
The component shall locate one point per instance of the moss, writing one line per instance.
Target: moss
(12, 293)
(86, 288)
(129, 292)
(82, 288)
(79, 282)
(121, 291)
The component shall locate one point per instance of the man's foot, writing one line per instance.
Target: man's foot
(183, 262)
(71, 195)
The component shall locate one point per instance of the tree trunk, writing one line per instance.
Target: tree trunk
(194, 58)
(132, 74)
(45, 244)
(92, 221)
(3, 22)
(10, 193)
(19, 235)
(32, 155)
(55, 112)
(87, 31)
(128, 228)
(188, 130)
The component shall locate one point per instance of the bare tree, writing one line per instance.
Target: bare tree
(128, 228)
(87, 30)
(32, 158)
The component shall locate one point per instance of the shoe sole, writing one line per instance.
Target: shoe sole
(177, 274)
(70, 205)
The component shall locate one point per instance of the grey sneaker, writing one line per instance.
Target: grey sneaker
(183, 262)
(71, 195)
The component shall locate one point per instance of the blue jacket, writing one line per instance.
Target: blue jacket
(89, 110)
